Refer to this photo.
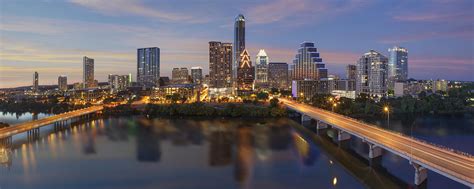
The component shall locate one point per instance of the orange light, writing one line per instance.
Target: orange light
(385, 109)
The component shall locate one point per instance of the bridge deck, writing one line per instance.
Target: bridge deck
(453, 165)
(22, 127)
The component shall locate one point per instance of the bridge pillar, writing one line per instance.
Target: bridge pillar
(305, 118)
(374, 151)
(421, 174)
(342, 136)
(321, 125)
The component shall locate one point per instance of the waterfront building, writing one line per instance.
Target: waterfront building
(397, 65)
(440, 85)
(119, 82)
(245, 77)
(372, 74)
(186, 92)
(196, 75)
(308, 65)
(62, 83)
(308, 88)
(278, 75)
(239, 47)
(180, 76)
(88, 72)
(220, 64)
(261, 69)
(148, 66)
(35, 82)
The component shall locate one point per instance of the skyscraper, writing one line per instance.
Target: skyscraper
(397, 65)
(35, 82)
(261, 68)
(239, 47)
(196, 75)
(308, 64)
(278, 75)
(88, 72)
(372, 74)
(148, 66)
(245, 77)
(180, 75)
(62, 83)
(220, 64)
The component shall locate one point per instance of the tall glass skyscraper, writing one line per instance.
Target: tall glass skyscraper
(261, 69)
(239, 46)
(397, 65)
(88, 72)
(308, 65)
(148, 66)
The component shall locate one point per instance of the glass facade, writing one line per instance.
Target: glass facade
(148, 66)
(397, 65)
(239, 46)
(372, 74)
(88, 75)
(261, 69)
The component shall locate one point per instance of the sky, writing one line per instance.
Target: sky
(52, 36)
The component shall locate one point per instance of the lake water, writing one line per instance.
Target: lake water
(134, 152)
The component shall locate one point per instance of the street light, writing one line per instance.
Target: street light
(334, 106)
(386, 109)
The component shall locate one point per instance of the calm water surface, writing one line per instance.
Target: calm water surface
(134, 152)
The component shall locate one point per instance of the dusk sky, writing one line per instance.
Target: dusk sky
(52, 36)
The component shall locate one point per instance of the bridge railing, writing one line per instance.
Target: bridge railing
(399, 133)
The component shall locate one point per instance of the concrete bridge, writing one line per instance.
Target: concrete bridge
(422, 155)
(32, 127)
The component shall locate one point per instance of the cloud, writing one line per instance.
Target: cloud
(296, 12)
(135, 7)
(435, 17)
(465, 33)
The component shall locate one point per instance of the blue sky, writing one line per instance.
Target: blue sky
(51, 36)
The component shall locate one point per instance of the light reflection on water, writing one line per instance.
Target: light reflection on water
(187, 153)
(141, 153)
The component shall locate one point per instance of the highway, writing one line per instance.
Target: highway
(456, 166)
(26, 126)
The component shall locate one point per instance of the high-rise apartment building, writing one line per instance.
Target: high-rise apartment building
(308, 65)
(239, 47)
(88, 72)
(35, 82)
(220, 64)
(62, 83)
(148, 66)
(372, 74)
(196, 75)
(119, 82)
(180, 76)
(261, 69)
(245, 77)
(397, 65)
(278, 75)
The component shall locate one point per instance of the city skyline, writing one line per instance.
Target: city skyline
(42, 38)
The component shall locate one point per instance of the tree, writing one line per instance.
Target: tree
(274, 102)
(262, 96)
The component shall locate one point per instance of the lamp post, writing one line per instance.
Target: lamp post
(386, 109)
(333, 106)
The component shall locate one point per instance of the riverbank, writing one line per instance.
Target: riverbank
(202, 110)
